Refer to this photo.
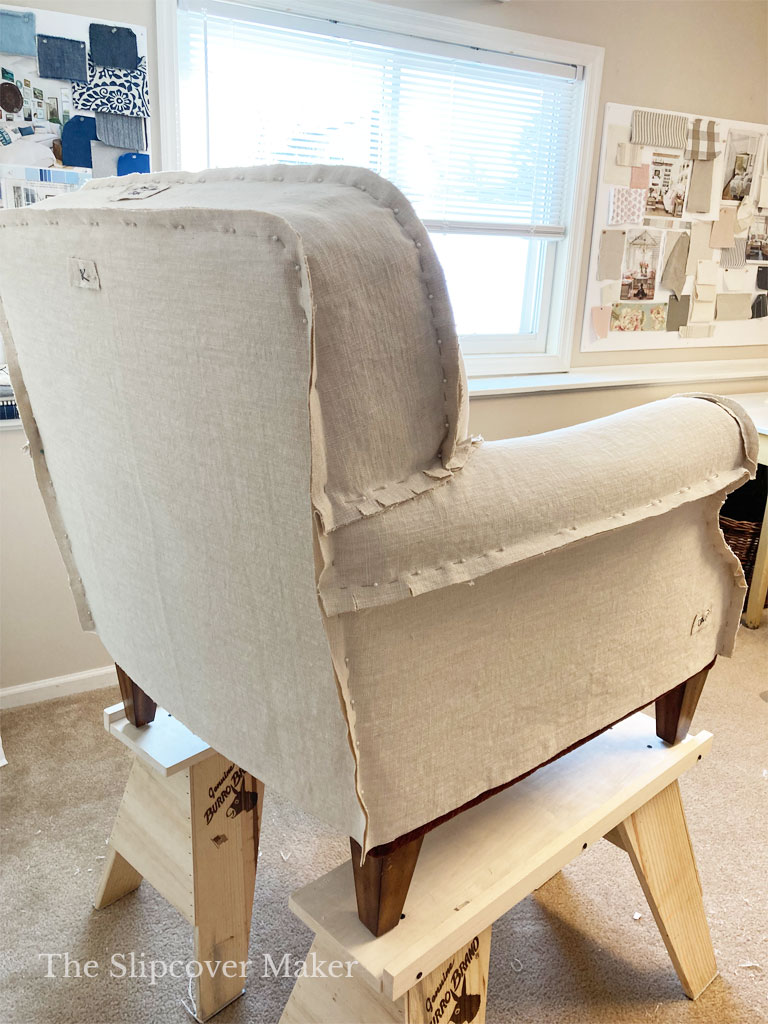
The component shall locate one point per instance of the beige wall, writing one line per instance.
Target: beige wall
(704, 56)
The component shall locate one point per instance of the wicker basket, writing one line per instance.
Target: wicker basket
(743, 537)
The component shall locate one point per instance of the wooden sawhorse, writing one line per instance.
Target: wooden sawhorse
(189, 823)
(433, 967)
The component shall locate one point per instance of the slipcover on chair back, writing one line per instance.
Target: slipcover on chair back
(246, 409)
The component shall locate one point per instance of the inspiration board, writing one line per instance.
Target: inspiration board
(74, 102)
(679, 253)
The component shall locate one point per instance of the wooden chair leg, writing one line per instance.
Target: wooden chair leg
(674, 710)
(139, 708)
(657, 841)
(381, 884)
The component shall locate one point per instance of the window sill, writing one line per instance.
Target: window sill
(631, 375)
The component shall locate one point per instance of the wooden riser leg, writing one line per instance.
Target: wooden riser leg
(657, 841)
(675, 710)
(381, 884)
(457, 990)
(117, 880)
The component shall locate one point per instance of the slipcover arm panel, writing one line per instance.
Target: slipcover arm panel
(523, 497)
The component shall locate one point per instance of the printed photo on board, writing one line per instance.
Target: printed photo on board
(641, 263)
(670, 173)
(757, 241)
(740, 154)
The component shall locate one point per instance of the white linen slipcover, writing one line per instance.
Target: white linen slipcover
(240, 364)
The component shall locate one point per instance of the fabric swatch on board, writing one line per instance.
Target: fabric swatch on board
(627, 205)
(760, 307)
(650, 128)
(703, 139)
(677, 312)
(706, 272)
(114, 91)
(674, 274)
(734, 306)
(113, 47)
(697, 331)
(735, 256)
(17, 33)
(76, 138)
(601, 320)
(762, 278)
(628, 155)
(133, 163)
(699, 248)
(104, 159)
(610, 255)
(640, 177)
(700, 189)
(723, 228)
(61, 58)
(742, 280)
(615, 136)
(121, 131)
(702, 312)
(610, 293)
(704, 292)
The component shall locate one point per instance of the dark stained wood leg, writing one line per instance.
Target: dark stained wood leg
(674, 710)
(139, 708)
(381, 884)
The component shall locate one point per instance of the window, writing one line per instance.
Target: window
(485, 144)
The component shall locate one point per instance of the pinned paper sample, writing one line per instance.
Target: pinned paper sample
(734, 306)
(628, 155)
(703, 139)
(61, 58)
(640, 176)
(760, 307)
(636, 316)
(610, 255)
(114, 91)
(677, 312)
(735, 256)
(702, 312)
(699, 247)
(706, 272)
(704, 292)
(697, 331)
(121, 131)
(616, 135)
(762, 278)
(114, 47)
(17, 33)
(700, 189)
(610, 293)
(674, 274)
(601, 320)
(104, 159)
(739, 280)
(627, 205)
(76, 137)
(723, 229)
(650, 128)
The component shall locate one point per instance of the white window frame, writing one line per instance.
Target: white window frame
(558, 327)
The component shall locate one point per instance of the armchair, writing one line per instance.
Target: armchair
(248, 417)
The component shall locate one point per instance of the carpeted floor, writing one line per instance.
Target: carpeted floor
(571, 953)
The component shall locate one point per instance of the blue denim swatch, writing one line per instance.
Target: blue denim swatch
(121, 131)
(114, 47)
(17, 32)
(133, 163)
(61, 58)
(76, 137)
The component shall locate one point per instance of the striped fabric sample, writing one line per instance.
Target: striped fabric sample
(697, 331)
(734, 257)
(652, 129)
(703, 138)
(121, 131)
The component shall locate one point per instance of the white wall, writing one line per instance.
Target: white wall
(706, 56)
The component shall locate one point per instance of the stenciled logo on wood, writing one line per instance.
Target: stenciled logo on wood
(231, 784)
(463, 1006)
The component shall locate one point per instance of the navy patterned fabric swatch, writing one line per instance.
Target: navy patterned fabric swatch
(17, 33)
(114, 47)
(121, 131)
(114, 91)
(61, 58)
(76, 137)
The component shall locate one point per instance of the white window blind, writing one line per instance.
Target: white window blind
(465, 139)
